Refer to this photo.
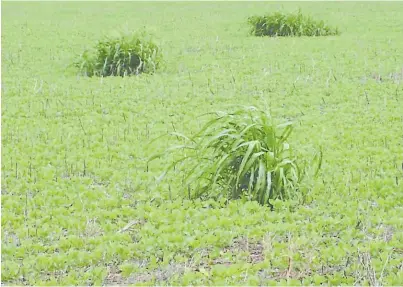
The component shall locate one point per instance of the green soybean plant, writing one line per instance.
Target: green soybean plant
(240, 154)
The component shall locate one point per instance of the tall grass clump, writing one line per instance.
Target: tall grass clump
(123, 55)
(295, 24)
(241, 154)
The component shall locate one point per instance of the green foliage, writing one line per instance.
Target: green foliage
(124, 55)
(241, 154)
(73, 171)
(279, 24)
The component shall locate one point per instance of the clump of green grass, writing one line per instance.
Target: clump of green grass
(295, 24)
(124, 55)
(241, 154)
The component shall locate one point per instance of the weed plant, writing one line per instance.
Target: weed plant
(296, 24)
(124, 55)
(242, 154)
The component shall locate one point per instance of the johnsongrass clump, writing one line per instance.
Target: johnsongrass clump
(279, 24)
(242, 154)
(124, 55)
